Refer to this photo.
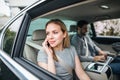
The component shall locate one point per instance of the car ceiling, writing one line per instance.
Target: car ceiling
(89, 10)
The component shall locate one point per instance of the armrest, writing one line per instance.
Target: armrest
(99, 67)
(110, 54)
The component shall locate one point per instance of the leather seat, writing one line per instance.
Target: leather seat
(33, 44)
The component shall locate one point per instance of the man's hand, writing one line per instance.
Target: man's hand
(103, 53)
(99, 58)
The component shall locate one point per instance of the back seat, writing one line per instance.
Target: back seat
(72, 31)
(33, 45)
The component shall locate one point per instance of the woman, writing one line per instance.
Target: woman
(57, 45)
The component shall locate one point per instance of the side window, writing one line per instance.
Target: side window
(8, 40)
(9, 35)
(37, 24)
(40, 24)
(36, 35)
(90, 32)
(108, 28)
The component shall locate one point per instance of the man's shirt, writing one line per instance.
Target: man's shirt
(80, 45)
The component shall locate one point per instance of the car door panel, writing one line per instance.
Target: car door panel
(105, 43)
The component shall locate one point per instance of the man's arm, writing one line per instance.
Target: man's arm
(86, 58)
(99, 51)
(75, 43)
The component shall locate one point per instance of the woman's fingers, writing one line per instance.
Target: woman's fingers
(45, 43)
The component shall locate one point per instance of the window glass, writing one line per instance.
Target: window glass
(30, 52)
(108, 28)
(10, 34)
(37, 24)
(40, 24)
(90, 32)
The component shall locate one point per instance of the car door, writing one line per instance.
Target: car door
(32, 14)
(13, 65)
(11, 42)
(8, 39)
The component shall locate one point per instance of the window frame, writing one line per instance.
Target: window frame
(9, 26)
(108, 21)
(20, 40)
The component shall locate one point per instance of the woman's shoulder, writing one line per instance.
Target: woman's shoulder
(42, 56)
(42, 52)
(71, 47)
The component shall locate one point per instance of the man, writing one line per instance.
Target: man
(86, 48)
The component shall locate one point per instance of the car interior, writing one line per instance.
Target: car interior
(33, 45)
(90, 10)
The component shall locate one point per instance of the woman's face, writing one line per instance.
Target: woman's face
(55, 35)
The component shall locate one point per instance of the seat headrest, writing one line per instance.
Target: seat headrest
(38, 35)
(73, 28)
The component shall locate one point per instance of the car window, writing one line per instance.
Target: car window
(90, 32)
(107, 28)
(9, 35)
(36, 33)
(37, 24)
(40, 24)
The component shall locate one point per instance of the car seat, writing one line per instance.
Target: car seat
(33, 45)
(72, 31)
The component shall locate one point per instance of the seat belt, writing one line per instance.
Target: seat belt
(87, 53)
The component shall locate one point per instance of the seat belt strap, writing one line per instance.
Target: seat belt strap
(87, 53)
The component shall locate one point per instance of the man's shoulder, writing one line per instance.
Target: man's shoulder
(74, 40)
(74, 36)
(88, 37)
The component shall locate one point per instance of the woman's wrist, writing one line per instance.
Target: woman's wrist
(50, 55)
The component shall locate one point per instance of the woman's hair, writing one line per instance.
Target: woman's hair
(66, 40)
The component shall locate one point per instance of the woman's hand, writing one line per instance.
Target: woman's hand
(50, 66)
(47, 48)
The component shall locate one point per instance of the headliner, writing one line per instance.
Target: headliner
(89, 10)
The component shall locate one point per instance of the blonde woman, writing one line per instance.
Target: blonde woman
(56, 48)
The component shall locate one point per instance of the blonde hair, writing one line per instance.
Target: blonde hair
(66, 40)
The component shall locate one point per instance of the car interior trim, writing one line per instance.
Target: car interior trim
(63, 8)
(16, 68)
